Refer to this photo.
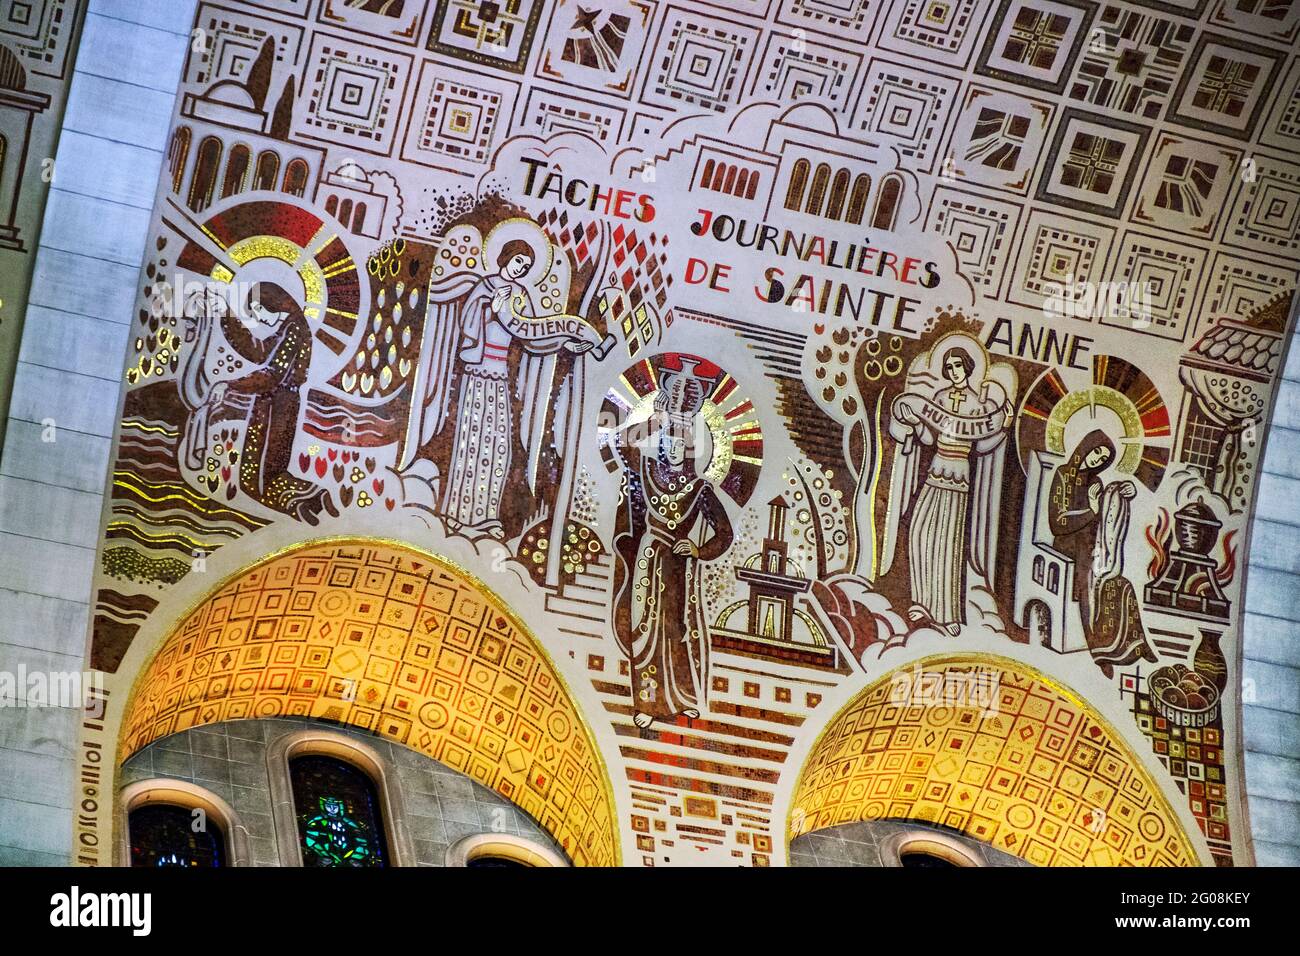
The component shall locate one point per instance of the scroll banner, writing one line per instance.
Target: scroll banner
(948, 423)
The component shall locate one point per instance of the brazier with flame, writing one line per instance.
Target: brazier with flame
(1189, 583)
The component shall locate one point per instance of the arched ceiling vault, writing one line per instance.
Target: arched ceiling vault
(1019, 762)
(380, 636)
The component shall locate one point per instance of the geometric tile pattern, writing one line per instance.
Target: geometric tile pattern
(848, 20)
(1187, 185)
(1093, 162)
(1266, 212)
(355, 92)
(909, 108)
(1035, 42)
(1038, 774)
(1170, 277)
(1225, 86)
(459, 117)
(499, 35)
(701, 64)
(793, 69)
(1133, 63)
(394, 642)
(980, 230)
(941, 32)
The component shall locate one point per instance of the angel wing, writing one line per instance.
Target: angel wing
(431, 387)
(987, 466)
(904, 480)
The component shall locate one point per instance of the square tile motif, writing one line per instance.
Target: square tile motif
(1186, 185)
(496, 33)
(850, 21)
(1131, 62)
(906, 107)
(1225, 86)
(699, 62)
(980, 230)
(1170, 276)
(1092, 163)
(795, 68)
(401, 21)
(596, 47)
(457, 118)
(353, 94)
(999, 138)
(939, 31)
(1035, 42)
(1057, 251)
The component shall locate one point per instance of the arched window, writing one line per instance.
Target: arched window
(177, 156)
(1039, 565)
(839, 192)
(165, 834)
(332, 205)
(858, 199)
(359, 218)
(798, 182)
(268, 167)
(1054, 578)
(345, 211)
(891, 191)
(241, 157)
(337, 807)
(706, 177)
(501, 850)
(163, 822)
(730, 184)
(817, 195)
(753, 185)
(295, 177)
(205, 174)
(742, 183)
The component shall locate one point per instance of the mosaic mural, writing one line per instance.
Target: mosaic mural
(396, 643)
(749, 353)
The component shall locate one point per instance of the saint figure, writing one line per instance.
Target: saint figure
(669, 522)
(275, 337)
(1089, 521)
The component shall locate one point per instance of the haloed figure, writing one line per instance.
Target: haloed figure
(484, 346)
(276, 338)
(939, 532)
(669, 522)
(1089, 520)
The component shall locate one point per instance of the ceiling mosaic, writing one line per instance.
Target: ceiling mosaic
(747, 353)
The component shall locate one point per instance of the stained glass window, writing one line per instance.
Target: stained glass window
(339, 819)
(164, 834)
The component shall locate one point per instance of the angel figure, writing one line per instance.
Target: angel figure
(489, 391)
(953, 516)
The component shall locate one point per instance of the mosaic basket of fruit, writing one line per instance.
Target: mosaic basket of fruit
(1184, 697)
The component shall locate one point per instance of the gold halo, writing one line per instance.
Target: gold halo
(530, 232)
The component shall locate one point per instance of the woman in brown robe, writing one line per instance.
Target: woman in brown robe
(658, 599)
(1080, 507)
(276, 338)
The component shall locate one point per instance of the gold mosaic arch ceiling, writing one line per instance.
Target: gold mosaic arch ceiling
(383, 638)
(1035, 774)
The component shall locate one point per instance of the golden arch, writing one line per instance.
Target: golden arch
(401, 643)
(1035, 771)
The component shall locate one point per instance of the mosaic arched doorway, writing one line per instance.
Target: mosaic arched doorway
(401, 643)
(991, 748)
